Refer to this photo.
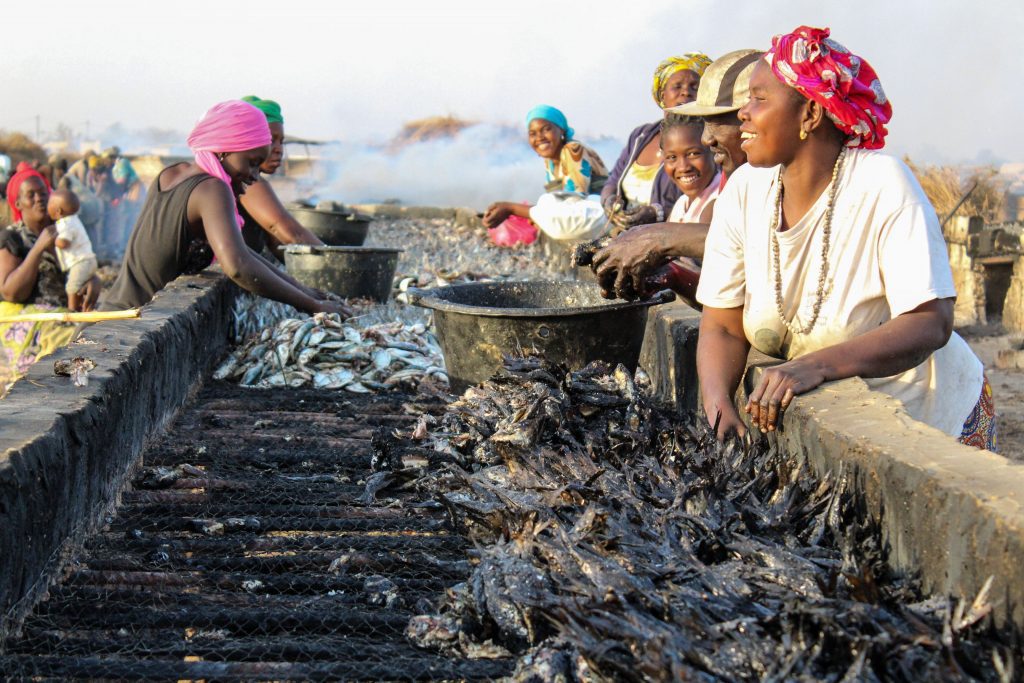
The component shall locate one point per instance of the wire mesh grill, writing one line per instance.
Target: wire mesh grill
(247, 549)
(547, 526)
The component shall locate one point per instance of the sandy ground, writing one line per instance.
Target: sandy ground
(1007, 386)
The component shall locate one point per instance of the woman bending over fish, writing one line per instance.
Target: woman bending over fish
(826, 253)
(190, 217)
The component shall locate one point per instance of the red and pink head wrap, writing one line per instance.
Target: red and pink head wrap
(25, 171)
(842, 83)
(232, 126)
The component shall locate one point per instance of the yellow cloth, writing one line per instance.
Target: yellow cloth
(22, 344)
(696, 62)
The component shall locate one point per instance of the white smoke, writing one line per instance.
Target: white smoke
(481, 164)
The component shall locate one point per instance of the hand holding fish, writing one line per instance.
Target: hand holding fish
(622, 266)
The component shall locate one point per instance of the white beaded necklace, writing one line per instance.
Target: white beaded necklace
(826, 233)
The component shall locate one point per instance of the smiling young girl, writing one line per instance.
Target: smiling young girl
(691, 165)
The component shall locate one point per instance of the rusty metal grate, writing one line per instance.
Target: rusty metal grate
(247, 549)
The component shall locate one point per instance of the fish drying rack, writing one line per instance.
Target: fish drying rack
(245, 551)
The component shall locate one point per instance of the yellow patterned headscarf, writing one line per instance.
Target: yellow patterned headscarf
(694, 61)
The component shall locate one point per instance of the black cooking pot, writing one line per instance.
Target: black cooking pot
(569, 322)
(334, 228)
(345, 271)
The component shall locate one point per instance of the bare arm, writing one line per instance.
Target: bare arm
(622, 266)
(212, 204)
(721, 360)
(897, 346)
(499, 211)
(18, 276)
(263, 205)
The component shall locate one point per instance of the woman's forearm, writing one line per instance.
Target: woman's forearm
(19, 283)
(898, 345)
(290, 231)
(721, 358)
(283, 274)
(680, 239)
(521, 210)
(254, 275)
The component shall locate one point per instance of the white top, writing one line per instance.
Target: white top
(685, 211)
(886, 257)
(71, 228)
(637, 184)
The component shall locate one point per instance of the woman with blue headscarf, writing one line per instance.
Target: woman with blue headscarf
(570, 166)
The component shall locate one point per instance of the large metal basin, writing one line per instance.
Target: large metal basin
(569, 322)
(334, 228)
(346, 271)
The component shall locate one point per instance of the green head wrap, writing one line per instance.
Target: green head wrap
(270, 108)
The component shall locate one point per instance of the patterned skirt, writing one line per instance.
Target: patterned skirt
(980, 427)
(22, 344)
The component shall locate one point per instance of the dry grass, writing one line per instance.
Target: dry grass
(431, 128)
(945, 185)
(19, 147)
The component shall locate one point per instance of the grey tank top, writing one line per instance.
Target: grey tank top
(160, 247)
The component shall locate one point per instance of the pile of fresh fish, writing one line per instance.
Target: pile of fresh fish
(378, 349)
(616, 543)
(438, 252)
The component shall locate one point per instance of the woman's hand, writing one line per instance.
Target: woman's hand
(778, 386)
(623, 265)
(640, 215)
(496, 213)
(90, 293)
(728, 420)
(326, 306)
(47, 238)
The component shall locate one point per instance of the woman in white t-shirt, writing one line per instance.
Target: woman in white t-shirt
(827, 253)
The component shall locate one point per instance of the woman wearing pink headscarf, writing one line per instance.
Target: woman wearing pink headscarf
(826, 253)
(191, 216)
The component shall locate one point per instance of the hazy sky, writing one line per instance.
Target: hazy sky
(357, 70)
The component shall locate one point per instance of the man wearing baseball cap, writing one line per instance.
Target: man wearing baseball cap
(625, 265)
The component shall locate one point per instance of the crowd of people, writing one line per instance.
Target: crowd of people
(759, 194)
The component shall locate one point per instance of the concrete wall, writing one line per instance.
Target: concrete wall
(952, 513)
(461, 215)
(66, 452)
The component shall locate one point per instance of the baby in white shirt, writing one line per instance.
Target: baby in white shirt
(74, 250)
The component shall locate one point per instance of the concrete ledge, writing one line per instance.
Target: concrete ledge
(950, 513)
(669, 355)
(461, 215)
(66, 452)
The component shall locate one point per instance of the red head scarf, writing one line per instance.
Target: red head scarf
(842, 83)
(14, 186)
(232, 126)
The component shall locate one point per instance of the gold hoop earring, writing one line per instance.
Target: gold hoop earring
(803, 134)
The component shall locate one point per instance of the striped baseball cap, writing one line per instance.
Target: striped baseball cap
(725, 85)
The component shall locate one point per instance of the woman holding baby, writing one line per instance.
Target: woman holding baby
(31, 279)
